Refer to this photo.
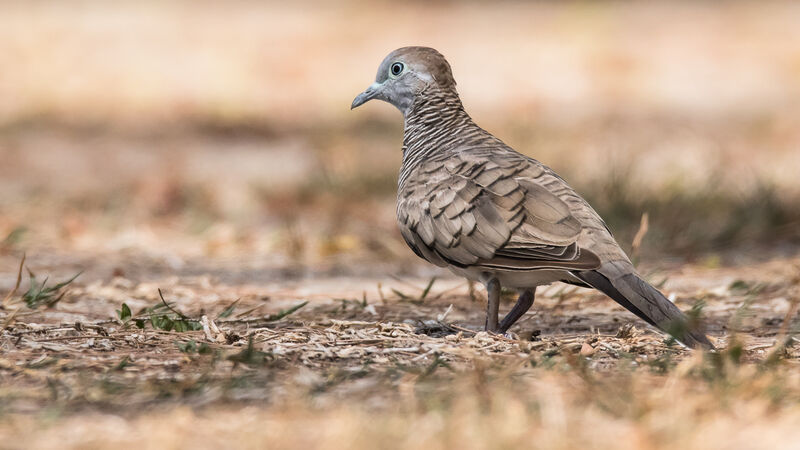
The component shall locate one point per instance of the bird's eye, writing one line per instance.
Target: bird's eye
(397, 68)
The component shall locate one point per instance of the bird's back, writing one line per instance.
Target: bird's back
(443, 146)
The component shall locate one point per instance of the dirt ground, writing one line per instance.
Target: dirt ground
(392, 361)
(210, 251)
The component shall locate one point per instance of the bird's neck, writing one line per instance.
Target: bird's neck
(433, 125)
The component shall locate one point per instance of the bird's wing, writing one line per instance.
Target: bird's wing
(495, 214)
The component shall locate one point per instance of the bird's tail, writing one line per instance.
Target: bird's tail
(642, 299)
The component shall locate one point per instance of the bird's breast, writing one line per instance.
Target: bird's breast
(513, 280)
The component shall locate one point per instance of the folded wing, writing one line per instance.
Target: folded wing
(480, 213)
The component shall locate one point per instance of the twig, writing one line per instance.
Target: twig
(43, 330)
(787, 320)
(443, 316)
(614, 352)
(207, 329)
(441, 293)
(19, 280)
(269, 318)
(406, 282)
(495, 336)
(10, 318)
(466, 330)
(400, 350)
(644, 225)
(281, 314)
(765, 346)
(228, 310)
(180, 314)
(429, 352)
(471, 291)
(246, 313)
(85, 336)
(427, 289)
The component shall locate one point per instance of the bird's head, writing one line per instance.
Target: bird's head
(405, 73)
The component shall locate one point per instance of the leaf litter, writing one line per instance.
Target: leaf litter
(129, 346)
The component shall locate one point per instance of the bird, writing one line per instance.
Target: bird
(468, 202)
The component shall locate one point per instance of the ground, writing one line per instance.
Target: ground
(310, 360)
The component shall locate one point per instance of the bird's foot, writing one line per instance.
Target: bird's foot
(502, 333)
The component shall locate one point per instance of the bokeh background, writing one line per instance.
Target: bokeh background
(183, 131)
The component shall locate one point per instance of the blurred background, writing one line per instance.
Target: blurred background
(176, 132)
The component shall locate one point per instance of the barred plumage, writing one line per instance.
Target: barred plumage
(469, 202)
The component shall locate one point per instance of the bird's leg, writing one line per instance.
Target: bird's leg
(493, 305)
(523, 304)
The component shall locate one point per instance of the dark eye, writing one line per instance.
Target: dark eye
(397, 68)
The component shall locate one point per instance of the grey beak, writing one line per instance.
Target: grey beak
(366, 96)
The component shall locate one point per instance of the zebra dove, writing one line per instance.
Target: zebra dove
(471, 203)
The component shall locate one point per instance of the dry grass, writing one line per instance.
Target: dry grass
(397, 366)
(542, 409)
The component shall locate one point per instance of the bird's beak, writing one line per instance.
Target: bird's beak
(366, 96)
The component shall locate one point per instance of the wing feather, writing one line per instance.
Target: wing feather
(480, 213)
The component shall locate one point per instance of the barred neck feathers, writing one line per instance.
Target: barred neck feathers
(437, 124)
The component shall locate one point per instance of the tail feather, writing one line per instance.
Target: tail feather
(642, 299)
